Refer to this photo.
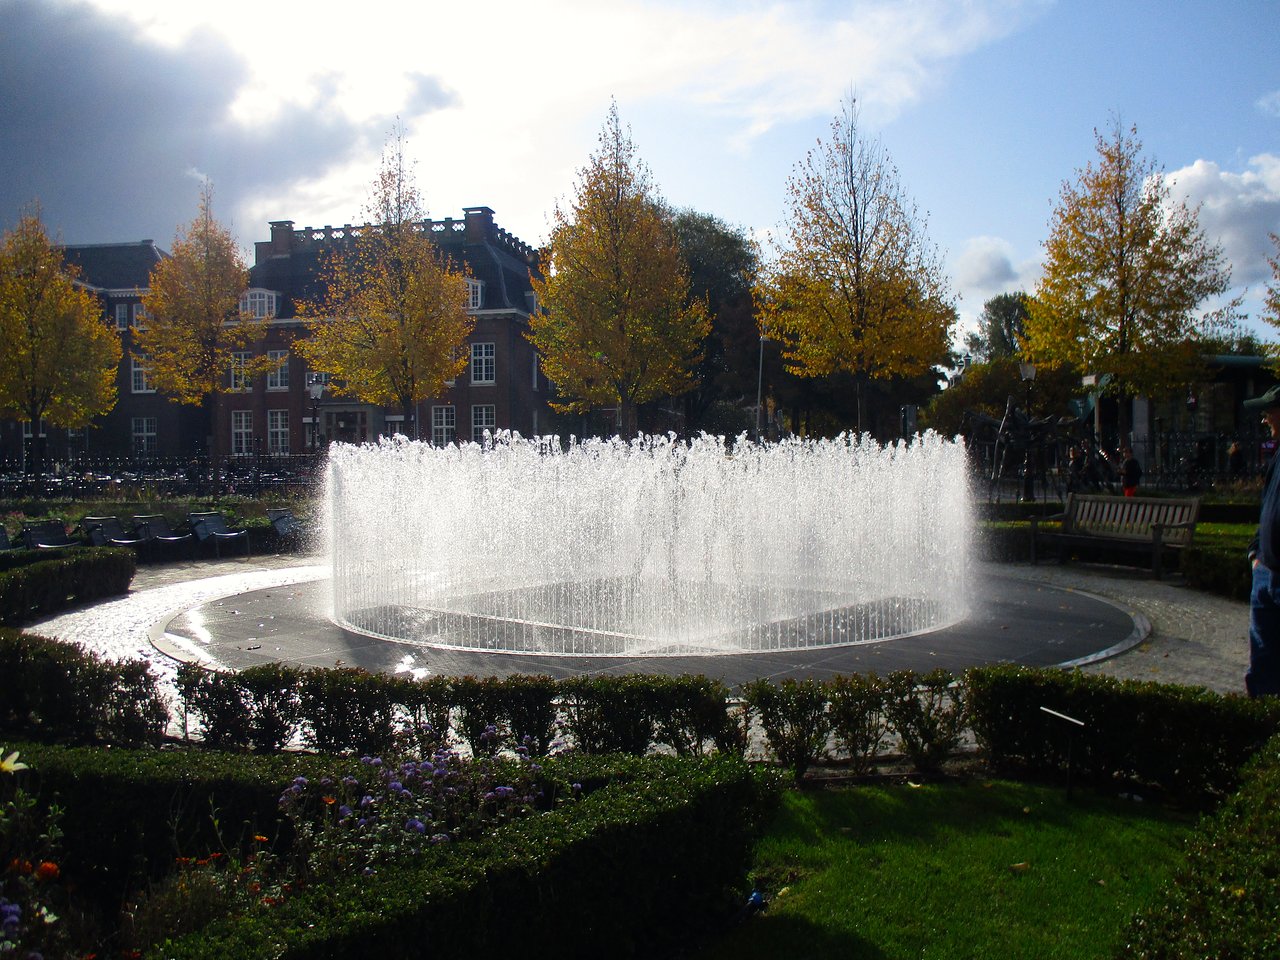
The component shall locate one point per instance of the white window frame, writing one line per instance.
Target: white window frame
(484, 416)
(139, 317)
(239, 382)
(444, 425)
(260, 304)
(241, 433)
(278, 432)
(122, 316)
(143, 434)
(475, 294)
(484, 363)
(139, 374)
(278, 377)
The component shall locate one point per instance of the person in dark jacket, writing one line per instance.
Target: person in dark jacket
(1263, 676)
(1130, 472)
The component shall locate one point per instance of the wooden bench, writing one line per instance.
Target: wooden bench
(1138, 524)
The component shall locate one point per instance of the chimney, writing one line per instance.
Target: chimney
(479, 223)
(281, 237)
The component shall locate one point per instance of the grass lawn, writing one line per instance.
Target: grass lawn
(984, 869)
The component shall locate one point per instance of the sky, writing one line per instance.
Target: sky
(113, 112)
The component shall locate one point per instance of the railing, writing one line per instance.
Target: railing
(148, 478)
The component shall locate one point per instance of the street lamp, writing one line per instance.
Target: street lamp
(1028, 373)
(315, 387)
(759, 385)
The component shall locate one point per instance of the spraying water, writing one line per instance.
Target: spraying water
(649, 548)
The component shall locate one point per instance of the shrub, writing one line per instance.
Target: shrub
(795, 720)
(529, 707)
(858, 718)
(928, 715)
(56, 691)
(611, 714)
(41, 588)
(271, 692)
(347, 709)
(482, 709)
(219, 701)
(693, 712)
(1216, 569)
(426, 705)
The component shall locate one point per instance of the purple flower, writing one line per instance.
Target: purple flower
(395, 786)
(504, 792)
(344, 811)
(299, 781)
(440, 838)
(416, 825)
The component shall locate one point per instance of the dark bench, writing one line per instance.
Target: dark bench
(1138, 524)
(288, 528)
(154, 530)
(110, 532)
(212, 526)
(46, 535)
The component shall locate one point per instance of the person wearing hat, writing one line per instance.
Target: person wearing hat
(1263, 676)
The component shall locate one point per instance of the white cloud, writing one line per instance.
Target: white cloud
(1239, 210)
(522, 91)
(1270, 103)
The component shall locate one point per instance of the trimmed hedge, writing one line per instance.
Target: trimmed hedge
(55, 691)
(1222, 903)
(644, 864)
(1186, 741)
(1214, 569)
(45, 586)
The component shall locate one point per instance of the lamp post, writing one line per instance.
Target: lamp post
(1028, 373)
(315, 388)
(759, 385)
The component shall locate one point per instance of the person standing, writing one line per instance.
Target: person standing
(1263, 676)
(1130, 472)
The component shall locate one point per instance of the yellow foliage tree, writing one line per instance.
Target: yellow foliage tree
(194, 324)
(616, 327)
(856, 286)
(1126, 270)
(58, 357)
(392, 322)
(1271, 305)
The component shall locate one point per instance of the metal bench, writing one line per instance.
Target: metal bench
(212, 526)
(46, 535)
(110, 532)
(154, 528)
(288, 528)
(1138, 524)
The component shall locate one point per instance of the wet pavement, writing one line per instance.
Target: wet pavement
(1117, 621)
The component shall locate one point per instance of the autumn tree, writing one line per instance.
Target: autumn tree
(1126, 273)
(617, 327)
(391, 324)
(1271, 304)
(856, 286)
(195, 332)
(58, 357)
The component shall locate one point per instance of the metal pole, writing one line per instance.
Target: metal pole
(759, 386)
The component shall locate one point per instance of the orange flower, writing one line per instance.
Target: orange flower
(19, 866)
(259, 838)
(48, 870)
(330, 800)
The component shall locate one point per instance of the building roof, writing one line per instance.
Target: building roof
(115, 266)
(290, 262)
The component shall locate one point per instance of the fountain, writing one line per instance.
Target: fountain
(655, 547)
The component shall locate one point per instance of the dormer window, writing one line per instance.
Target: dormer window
(475, 294)
(260, 304)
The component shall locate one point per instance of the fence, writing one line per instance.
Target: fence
(149, 478)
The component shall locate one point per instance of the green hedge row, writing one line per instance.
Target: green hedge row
(1214, 569)
(642, 865)
(1186, 741)
(55, 691)
(49, 584)
(1223, 901)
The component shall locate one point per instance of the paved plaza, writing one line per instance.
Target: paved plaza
(1110, 620)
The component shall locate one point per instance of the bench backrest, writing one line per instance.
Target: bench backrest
(102, 530)
(1131, 518)
(205, 525)
(155, 526)
(49, 533)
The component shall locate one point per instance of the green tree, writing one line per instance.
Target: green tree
(986, 387)
(195, 331)
(617, 327)
(1001, 328)
(856, 286)
(58, 358)
(1271, 303)
(722, 262)
(1126, 271)
(392, 323)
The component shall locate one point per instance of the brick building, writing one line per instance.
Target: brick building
(503, 387)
